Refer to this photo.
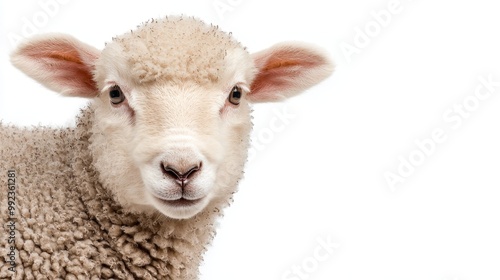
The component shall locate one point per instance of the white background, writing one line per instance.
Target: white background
(322, 177)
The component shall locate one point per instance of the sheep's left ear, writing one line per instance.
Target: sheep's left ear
(286, 70)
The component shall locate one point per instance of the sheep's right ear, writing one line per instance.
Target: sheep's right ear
(59, 62)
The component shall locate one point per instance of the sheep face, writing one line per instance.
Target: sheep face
(182, 145)
(177, 118)
(182, 141)
(171, 104)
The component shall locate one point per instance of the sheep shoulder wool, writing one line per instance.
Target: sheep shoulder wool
(66, 225)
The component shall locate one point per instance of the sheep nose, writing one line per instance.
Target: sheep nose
(181, 173)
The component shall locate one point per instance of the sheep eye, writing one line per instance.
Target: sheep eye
(116, 95)
(235, 95)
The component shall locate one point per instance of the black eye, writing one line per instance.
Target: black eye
(235, 95)
(116, 95)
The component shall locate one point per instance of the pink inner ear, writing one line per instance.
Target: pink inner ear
(63, 63)
(281, 70)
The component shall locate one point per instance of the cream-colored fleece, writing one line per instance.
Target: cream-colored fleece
(69, 227)
(71, 222)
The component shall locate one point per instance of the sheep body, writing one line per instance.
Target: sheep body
(69, 227)
(99, 200)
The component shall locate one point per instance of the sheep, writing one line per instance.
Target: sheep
(136, 187)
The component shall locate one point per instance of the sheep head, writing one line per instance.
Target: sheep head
(172, 106)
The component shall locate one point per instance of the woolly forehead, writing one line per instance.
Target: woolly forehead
(175, 50)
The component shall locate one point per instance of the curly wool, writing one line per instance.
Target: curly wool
(69, 227)
(189, 50)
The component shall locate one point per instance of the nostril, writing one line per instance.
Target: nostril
(169, 171)
(181, 174)
(193, 170)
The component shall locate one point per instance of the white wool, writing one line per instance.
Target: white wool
(135, 190)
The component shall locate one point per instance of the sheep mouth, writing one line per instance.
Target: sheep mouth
(181, 202)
